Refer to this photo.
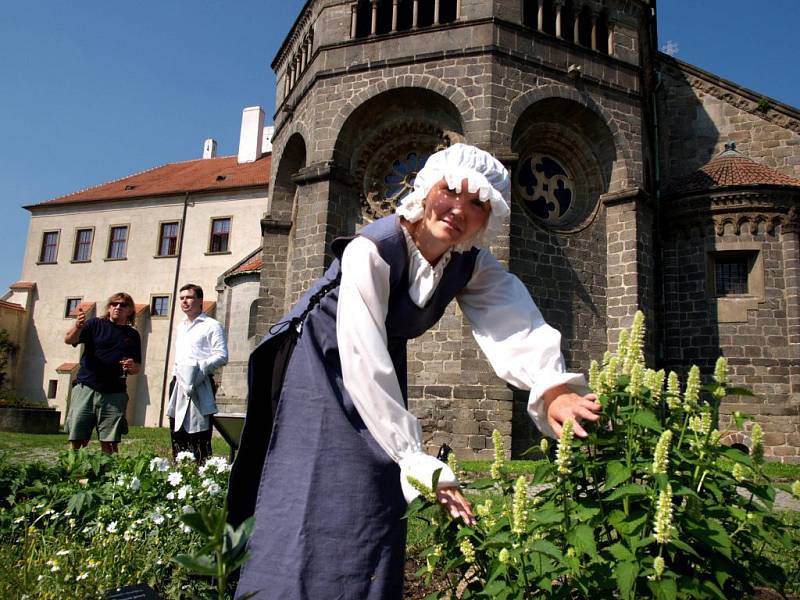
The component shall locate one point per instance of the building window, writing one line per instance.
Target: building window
(83, 245)
(159, 306)
(52, 388)
(71, 308)
(118, 242)
(168, 239)
(49, 251)
(220, 235)
(730, 274)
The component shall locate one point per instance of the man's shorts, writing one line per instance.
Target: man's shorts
(90, 410)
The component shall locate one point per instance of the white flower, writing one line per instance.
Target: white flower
(135, 484)
(112, 527)
(157, 518)
(175, 479)
(128, 535)
(159, 464)
(171, 496)
(185, 528)
(202, 470)
(62, 552)
(220, 464)
(55, 569)
(188, 509)
(213, 489)
(183, 455)
(19, 520)
(121, 481)
(184, 491)
(82, 576)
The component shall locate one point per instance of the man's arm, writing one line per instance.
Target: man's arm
(73, 335)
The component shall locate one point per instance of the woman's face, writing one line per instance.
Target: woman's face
(452, 218)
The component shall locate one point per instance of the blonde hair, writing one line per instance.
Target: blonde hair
(121, 297)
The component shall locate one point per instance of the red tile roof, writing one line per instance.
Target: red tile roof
(11, 306)
(67, 367)
(140, 308)
(731, 169)
(86, 307)
(251, 266)
(209, 307)
(23, 285)
(201, 175)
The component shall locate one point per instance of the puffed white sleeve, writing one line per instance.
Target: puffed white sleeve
(367, 370)
(521, 347)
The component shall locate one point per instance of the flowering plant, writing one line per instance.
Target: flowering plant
(651, 504)
(93, 523)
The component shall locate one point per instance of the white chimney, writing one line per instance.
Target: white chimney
(266, 139)
(210, 148)
(251, 134)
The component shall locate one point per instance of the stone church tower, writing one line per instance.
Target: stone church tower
(573, 96)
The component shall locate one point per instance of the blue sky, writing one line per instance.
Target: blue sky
(96, 90)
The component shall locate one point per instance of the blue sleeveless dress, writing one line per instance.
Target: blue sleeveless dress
(329, 503)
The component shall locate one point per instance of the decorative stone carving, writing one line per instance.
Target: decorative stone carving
(389, 162)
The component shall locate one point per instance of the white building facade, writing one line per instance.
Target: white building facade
(147, 235)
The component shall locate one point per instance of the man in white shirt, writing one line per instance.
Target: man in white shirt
(200, 349)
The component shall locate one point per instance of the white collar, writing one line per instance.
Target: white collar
(423, 278)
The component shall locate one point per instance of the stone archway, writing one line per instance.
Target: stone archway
(382, 145)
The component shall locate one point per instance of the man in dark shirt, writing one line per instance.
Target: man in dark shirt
(112, 350)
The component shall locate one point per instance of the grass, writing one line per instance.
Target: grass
(28, 447)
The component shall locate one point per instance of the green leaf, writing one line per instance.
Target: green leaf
(647, 418)
(202, 565)
(620, 552)
(542, 473)
(435, 479)
(625, 573)
(196, 522)
(627, 524)
(631, 489)
(616, 473)
(582, 538)
(482, 484)
(547, 548)
(547, 516)
(736, 455)
(664, 589)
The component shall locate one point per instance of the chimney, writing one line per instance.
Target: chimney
(266, 139)
(210, 148)
(251, 134)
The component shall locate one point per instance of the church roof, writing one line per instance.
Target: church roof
(249, 264)
(730, 168)
(200, 175)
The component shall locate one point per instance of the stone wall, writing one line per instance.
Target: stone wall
(477, 80)
(699, 112)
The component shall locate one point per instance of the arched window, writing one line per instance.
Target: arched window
(549, 17)
(252, 321)
(363, 18)
(585, 27)
(384, 20)
(530, 10)
(568, 21)
(602, 32)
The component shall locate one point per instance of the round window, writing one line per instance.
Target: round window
(547, 191)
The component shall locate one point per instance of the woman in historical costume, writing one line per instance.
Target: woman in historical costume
(333, 486)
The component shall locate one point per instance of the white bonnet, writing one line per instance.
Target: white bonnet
(484, 174)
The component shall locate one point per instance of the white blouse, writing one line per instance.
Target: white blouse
(523, 349)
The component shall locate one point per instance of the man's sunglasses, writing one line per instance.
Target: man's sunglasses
(118, 304)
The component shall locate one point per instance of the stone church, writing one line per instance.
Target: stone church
(639, 182)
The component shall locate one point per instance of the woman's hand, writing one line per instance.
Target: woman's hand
(456, 504)
(562, 404)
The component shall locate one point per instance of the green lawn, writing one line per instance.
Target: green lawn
(23, 447)
(26, 447)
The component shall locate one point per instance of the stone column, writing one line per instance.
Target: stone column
(629, 231)
(539, 15)
(576, 27)
(353, 19)
(610, 39)
(458, 9)
(272, 286)
(436, 12)
(594, 29)
(374, 27)
(790, 238)
(415, 15)
(394, 14)
(558, 4)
